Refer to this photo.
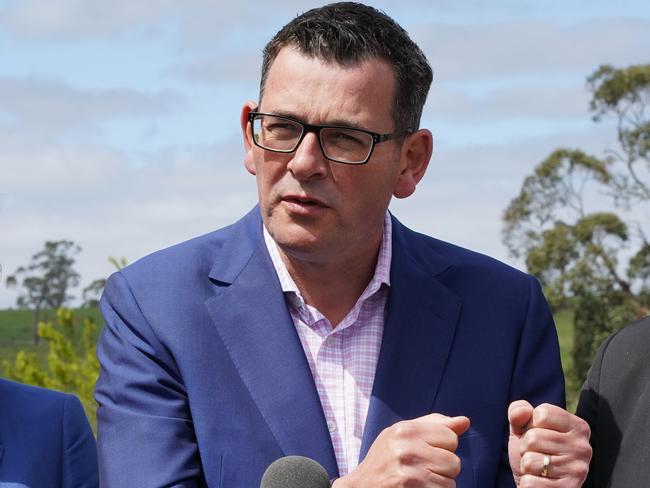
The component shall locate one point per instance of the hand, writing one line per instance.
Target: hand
(547, 430)
(414, 453)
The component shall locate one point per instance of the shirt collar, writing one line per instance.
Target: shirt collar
(380, 276)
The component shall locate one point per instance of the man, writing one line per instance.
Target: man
(45, 439)
(614, 400)
(319, 325)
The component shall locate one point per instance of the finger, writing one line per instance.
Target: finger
(546, 441)
(530, 481)
(533, 463)
(444, 463)
(520, 413)
(457, 424)
(438, 480)
(432, 459)
(427, 431)
(552, 417)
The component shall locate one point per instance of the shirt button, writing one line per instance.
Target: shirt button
(331, 426)
(329, 342)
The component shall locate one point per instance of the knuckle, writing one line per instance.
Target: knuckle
(447, 483)
(402, 455)
(582, 470)
(456, 466)
(527, 481)
(527, 462)
(451, 440)
(577, 471)
(440, 481)
(586, 451)
(543, 412)
(403, 429)
(531, 439)
(582, 428)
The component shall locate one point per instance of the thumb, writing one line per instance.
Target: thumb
(520, 413)
(458, 424)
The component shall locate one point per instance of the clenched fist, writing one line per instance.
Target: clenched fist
(418, 453)
(548, 446)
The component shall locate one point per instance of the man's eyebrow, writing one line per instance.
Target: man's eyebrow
(335, 122)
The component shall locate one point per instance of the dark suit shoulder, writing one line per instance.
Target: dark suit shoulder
(31, 401)
(622, 365)
(46, 437)
(614, 402)
(635, 338)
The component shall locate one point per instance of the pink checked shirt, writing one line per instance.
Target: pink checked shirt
(342, 359)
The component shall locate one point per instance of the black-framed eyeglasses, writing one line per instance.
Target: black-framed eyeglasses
(340, 144)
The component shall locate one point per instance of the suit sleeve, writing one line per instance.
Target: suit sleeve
(145, 432)
(537, 374)
(588, 407)
(80, 451)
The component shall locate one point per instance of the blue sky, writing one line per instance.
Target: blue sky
(119, 120)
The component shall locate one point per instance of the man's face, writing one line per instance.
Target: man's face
(316, 209)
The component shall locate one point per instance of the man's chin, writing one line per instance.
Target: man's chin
(298, 242)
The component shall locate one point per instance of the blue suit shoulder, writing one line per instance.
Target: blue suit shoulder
(195, 258)
(457, 266)
(45, 436)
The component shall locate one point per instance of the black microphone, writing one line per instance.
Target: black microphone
(295, 472)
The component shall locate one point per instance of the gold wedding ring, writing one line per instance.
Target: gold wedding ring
(545, 466)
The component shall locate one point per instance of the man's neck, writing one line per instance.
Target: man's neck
(333, 287)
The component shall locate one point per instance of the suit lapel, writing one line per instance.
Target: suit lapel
(418, 334)
(252, 319)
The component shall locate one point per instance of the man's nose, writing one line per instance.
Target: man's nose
(308, 160)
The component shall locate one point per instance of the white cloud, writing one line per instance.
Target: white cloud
(93, 197)
(511, 102)
(45, 105)
(241, 66)
(543, 49)
(45, 170)
(78, 19)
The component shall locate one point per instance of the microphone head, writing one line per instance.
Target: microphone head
(295, 472)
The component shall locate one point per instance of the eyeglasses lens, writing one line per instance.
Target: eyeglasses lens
(339, 144)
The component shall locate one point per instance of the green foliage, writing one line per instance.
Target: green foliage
(49, 275)
(625, 94)
(72, 364)
(47, 278)
(595, 262)
(619, 90)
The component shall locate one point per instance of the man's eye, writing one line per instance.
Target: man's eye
(345, 137)
(282, 127)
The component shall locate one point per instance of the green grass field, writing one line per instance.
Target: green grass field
(16, 330)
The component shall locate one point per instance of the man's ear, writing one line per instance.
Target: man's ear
(249, 160)
(414, 158)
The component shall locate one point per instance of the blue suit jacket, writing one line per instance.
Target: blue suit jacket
(204, 381)
(45, 439)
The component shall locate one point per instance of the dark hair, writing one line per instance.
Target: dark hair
(348, 33)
